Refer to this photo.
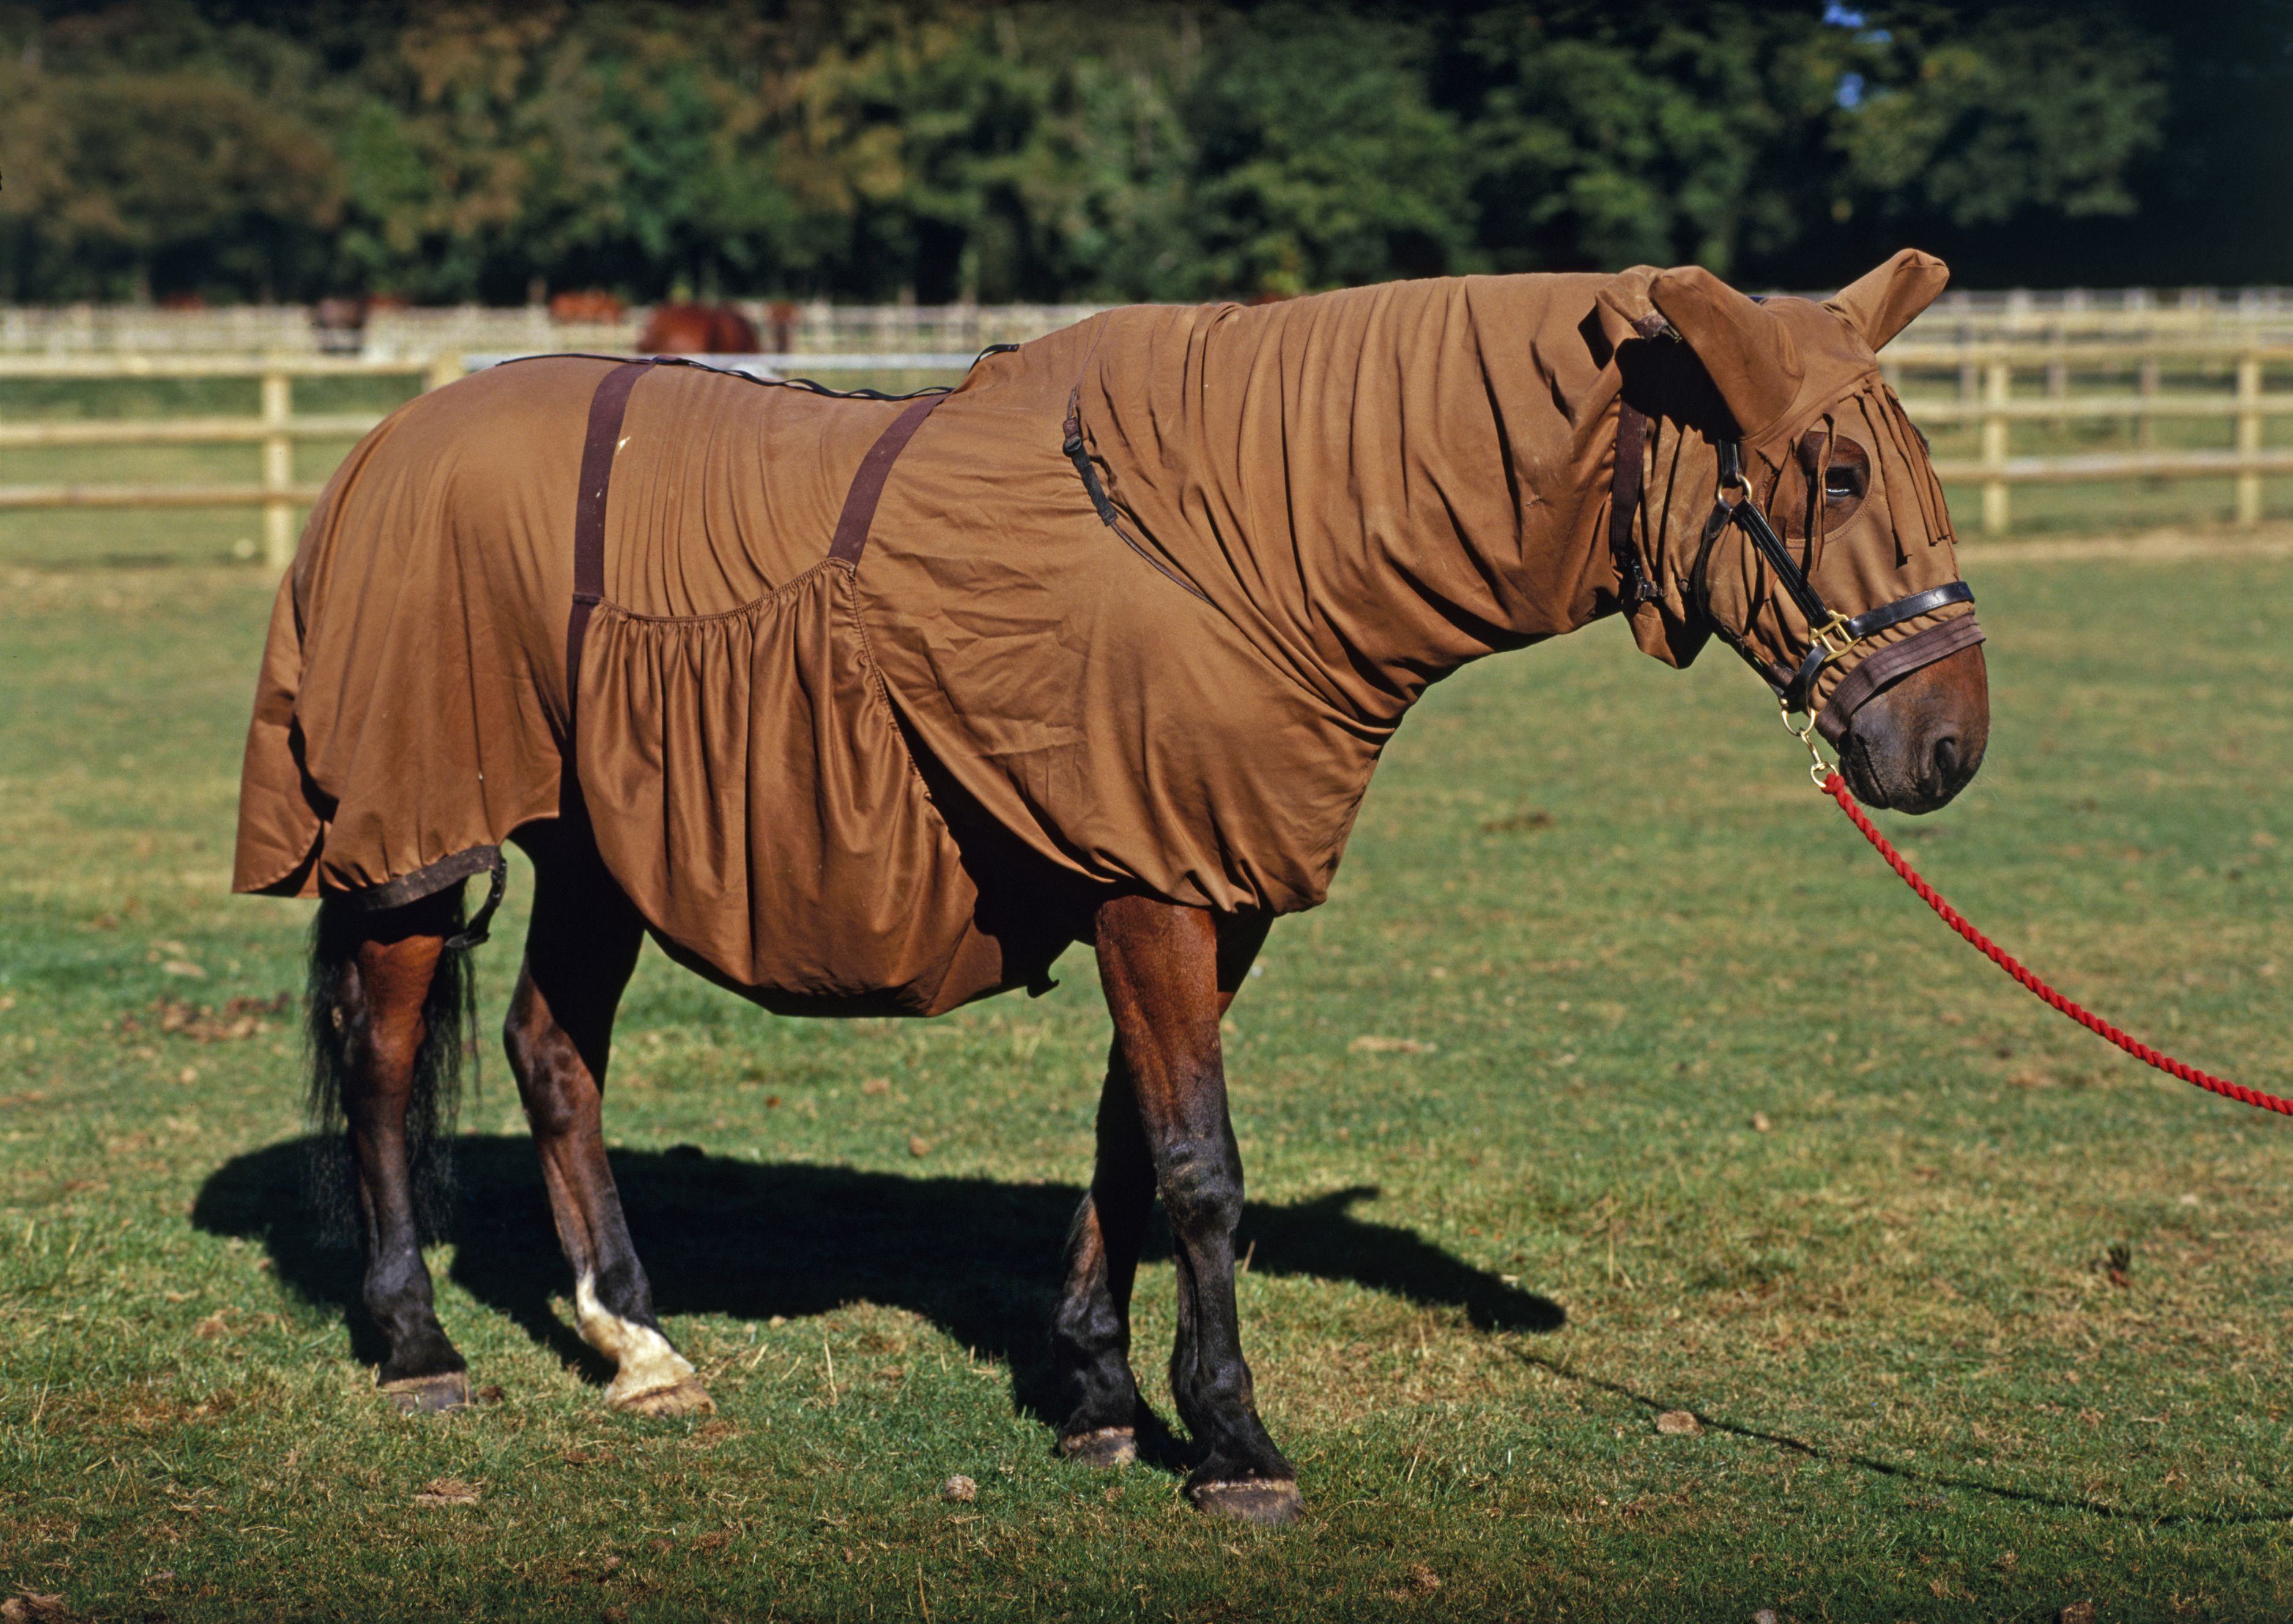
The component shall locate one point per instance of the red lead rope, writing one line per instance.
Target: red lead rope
(1836, 787)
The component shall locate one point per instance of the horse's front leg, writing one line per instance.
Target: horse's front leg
(1170, 974)
(579, 952)
(1091, 1330)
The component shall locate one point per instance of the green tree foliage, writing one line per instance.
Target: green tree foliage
(1620, 137)
(1979, 121)
(957, 149)
(170, 153)
(1318, 160)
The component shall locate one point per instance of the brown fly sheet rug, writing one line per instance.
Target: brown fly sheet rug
(1136, 607)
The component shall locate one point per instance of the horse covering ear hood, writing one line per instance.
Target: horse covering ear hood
(1748, 351)
(1621, 309)
(1881, 304)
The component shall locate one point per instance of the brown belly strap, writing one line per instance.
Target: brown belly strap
(867, 484)
(607, 408)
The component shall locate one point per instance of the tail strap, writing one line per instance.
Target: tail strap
(477, 930)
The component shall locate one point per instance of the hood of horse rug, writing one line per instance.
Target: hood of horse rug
(898, 785)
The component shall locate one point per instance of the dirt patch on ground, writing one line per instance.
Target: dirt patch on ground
(2149, 546)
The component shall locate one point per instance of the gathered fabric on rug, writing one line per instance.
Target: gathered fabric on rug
(1140, 606)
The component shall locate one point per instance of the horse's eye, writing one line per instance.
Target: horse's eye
(1842, 482)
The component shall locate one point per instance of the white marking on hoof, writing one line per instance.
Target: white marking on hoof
(644, 1363)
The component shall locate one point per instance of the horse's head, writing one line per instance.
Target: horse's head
(1803, 522)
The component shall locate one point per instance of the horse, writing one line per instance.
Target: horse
(859, 706)
(590, 306)
(697, 329)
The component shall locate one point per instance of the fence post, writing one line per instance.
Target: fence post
(1999, 379)
(2248, 437)
(2145, 428)
(278, 470)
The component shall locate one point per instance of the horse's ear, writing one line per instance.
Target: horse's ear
(1748, 351)
(1621, 309)
(1881, 304)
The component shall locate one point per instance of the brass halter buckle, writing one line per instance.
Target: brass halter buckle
(1835, 634)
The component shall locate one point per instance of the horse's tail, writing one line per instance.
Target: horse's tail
(448, 1021)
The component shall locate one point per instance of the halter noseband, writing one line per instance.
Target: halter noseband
(1831, 633)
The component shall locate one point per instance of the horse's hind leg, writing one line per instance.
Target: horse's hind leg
(375, 1021)
(579, 952)
(1170, 974)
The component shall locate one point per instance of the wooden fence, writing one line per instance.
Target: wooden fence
(1986, 372)
(1986, 398)
(276, 431)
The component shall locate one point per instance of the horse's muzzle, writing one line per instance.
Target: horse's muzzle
(1918, 742)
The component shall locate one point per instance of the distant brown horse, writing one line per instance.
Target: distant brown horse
(586, 306)
(873, 707)
(697, 329)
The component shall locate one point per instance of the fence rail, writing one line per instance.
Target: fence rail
(1986, 372)
(276, 430)
(1985, 397)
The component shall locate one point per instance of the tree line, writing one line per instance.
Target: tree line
(945, 149)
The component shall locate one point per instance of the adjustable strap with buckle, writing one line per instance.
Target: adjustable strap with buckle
(1839, 633)
(480, 923)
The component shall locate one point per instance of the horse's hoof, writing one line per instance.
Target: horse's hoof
(684, 1396)
(1109, 1446)
(428, 1395)
(1270, 1502)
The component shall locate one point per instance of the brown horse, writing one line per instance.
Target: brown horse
(1104, 650)
(586, 307)
(697, 329)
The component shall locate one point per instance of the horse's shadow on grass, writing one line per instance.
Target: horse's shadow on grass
(977, 1258)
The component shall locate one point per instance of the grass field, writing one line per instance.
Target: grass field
(1704, 1113)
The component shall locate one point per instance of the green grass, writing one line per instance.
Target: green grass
(1605, 897)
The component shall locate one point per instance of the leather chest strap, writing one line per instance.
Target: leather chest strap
(867, 484)
(607, 408)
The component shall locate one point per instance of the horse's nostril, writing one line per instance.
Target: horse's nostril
(1946, 759)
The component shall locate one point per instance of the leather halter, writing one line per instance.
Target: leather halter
(1832, 634)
